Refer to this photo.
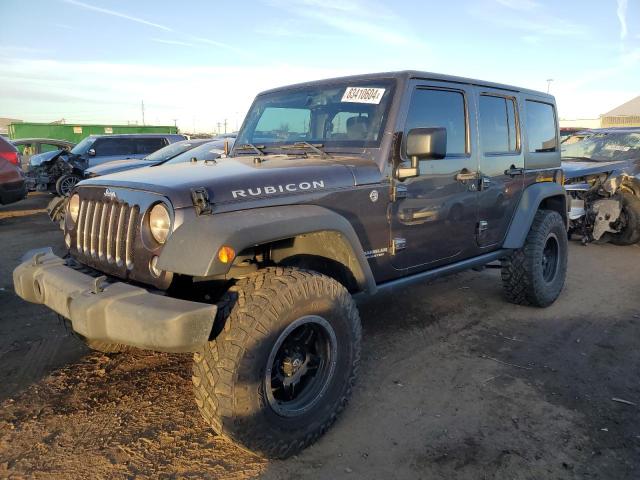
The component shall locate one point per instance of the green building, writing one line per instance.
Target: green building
(76, 132)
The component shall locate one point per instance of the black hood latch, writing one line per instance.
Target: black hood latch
(200, 199)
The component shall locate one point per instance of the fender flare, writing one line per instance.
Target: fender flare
(530, 201)
(193, 248)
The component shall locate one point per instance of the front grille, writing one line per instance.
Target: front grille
(106, 231)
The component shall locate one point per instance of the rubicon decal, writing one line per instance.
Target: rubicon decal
(276, 189)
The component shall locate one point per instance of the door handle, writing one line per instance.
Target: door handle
(465, 175)
(513, 171)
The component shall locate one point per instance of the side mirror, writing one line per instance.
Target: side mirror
(423, 144)
(91, 152)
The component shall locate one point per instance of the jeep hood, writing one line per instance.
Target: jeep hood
(245, 178)
(574, 169)
(118, 166)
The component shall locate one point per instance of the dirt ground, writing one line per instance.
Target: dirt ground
(455, 384)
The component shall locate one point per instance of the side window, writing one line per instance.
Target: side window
(111, 146)
(541, 127)
(497, 125)
(440, 108)
(149, 145)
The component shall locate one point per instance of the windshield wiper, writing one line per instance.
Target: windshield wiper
(301, 145)
(251, 146)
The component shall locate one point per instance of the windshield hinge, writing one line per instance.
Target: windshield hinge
(200, 198)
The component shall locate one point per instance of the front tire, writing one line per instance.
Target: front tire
(284, 364)
(631, 213)
(65, 184)
(535, 274)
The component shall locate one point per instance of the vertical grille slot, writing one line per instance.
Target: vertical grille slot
(88, 221)
(95, 225)
(79, 226)
(113, 219)
(102, 233)
(131, 236)
(120, 233)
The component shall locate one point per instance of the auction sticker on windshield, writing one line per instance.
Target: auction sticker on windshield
(363, 95)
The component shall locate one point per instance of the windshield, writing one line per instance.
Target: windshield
(206, 151)
(169, 151)
(604, 147)
(83, 146)
(348, 114)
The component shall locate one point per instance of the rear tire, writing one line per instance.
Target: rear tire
(284, 364)
(631, 211)
(535, 274)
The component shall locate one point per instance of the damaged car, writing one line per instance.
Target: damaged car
(602, 180)
(59, 171)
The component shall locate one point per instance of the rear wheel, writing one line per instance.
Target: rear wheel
(284, 364)
(535, 274)
(65, 184)
(630, 219)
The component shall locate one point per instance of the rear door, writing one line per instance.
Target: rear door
(145, 146)
(501, 169)
(433, 220)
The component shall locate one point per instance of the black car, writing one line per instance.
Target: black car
(602, 178)
(156, 158)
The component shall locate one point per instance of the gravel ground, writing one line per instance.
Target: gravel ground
(455, 383)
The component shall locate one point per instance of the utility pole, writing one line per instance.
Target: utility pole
(549, 80)
(225, 125)
(175, 123)
(142, 112)
(218, 125)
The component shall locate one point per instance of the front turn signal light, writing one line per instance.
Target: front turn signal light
(226, 254)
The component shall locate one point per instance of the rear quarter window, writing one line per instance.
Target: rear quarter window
(541, 127)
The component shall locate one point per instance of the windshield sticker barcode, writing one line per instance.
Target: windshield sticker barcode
(363, 95)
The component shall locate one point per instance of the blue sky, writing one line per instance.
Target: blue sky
(203, 61)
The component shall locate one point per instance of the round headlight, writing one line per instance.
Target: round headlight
(74, 207)
(159, 223)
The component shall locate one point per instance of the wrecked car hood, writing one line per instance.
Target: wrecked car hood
(119, 166)
(40, 158)
(576, 168)
(245, 178)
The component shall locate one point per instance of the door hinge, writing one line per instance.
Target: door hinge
(398, 244)
(398, 191)
(483, 225)
(200, 199)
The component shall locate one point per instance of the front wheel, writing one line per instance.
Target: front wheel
(65, 184)
(535, 274)
(630, 219)
(284, 364)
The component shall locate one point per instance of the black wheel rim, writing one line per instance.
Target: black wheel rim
(550, 256)
(300, 366)
(67, 184)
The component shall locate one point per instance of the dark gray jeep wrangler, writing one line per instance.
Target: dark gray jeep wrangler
(334, 190)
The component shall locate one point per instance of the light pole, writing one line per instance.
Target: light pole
(549, 80)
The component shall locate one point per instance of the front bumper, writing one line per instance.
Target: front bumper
(116, 312)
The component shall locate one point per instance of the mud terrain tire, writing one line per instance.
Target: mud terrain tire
(631, 210)
(234, 375)
(535, 274)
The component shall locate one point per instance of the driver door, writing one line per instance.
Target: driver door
(435, 213)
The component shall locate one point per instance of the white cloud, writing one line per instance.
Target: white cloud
(523, 5)
(106, 11)
(173, 42)
(371, 21)
(622, 17)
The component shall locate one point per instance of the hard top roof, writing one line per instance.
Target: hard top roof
(413, 74)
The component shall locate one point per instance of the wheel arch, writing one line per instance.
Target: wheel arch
(545, 196)
(304, 236)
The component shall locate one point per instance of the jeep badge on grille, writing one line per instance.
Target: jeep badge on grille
(110, 194)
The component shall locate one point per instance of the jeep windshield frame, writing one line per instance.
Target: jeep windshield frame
(344, 115)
